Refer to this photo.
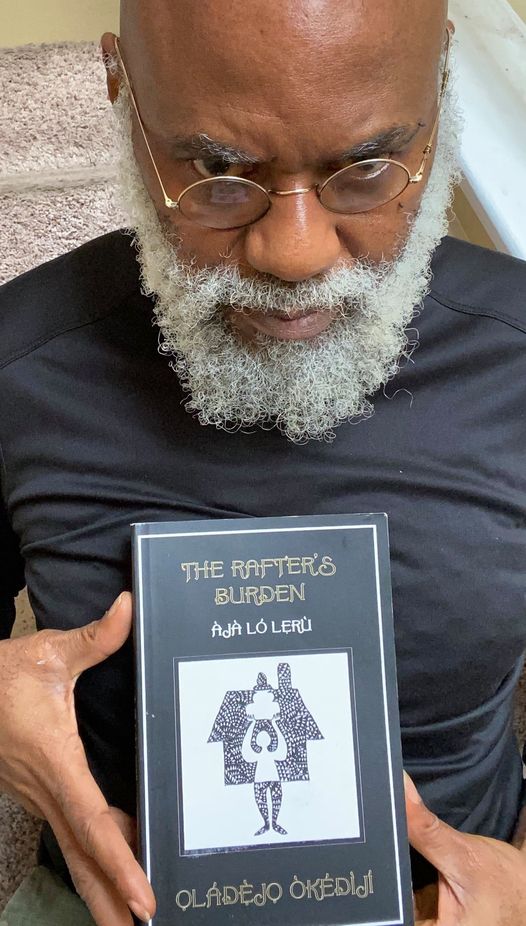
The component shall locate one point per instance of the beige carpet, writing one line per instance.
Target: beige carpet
(55, 193)
(56, 157)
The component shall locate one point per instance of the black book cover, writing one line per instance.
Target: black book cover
(270, 768)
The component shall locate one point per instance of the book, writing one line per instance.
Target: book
(269, 757)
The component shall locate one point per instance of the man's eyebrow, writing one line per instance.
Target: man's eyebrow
(201, 145)
(383, 143)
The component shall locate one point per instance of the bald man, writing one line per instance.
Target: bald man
(287, 166)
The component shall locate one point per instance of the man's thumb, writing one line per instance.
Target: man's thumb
(87, 646)
(439, 843)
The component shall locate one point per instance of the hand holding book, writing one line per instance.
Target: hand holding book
(44, 767)
(482, 882)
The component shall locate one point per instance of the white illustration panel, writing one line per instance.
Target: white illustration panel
(267, 751)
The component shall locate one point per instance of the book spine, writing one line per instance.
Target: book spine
(140, 707)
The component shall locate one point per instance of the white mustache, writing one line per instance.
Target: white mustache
(341, 292)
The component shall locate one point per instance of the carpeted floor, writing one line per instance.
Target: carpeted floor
(56, 169)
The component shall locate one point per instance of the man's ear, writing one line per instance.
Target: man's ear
(109, 56)
(451, 26)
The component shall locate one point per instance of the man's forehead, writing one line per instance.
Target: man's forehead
(257, 29)
(197, 67)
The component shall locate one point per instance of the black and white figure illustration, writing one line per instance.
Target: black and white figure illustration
(265, 732)
(264, 748)
(277, 761)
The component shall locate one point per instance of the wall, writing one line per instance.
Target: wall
(467, 223)
(24, 21)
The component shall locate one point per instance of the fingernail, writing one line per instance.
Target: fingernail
(139, 911)
(410, 790)
(114, 606)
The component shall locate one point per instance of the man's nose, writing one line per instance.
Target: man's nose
(296, 239)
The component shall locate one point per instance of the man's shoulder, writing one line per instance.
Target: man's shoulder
(68, 292)
(480, 282)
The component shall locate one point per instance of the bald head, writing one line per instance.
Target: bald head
(291, 80)
(283, 92)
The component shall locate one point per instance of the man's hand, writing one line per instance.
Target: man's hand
(482, 882)
(44, 767)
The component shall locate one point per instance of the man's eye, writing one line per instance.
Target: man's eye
(217, 167)
(370, 169)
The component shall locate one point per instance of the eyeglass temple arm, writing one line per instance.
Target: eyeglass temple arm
(429, 147)
(169, 203)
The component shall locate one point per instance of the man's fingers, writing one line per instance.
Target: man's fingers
(96, 831)
(86, 646)
(104, 902)
(439, 843)
(127, 826)
(101, 838)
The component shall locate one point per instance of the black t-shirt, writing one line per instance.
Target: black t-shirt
(94, 436)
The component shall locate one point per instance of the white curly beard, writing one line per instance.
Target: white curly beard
(304, 388)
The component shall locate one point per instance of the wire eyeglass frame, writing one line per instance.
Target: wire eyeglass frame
(317, 187)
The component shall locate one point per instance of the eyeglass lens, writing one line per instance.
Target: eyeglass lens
(224, 203)
(232, 203)
(364, 186)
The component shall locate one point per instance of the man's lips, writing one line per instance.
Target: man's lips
(299, 327)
